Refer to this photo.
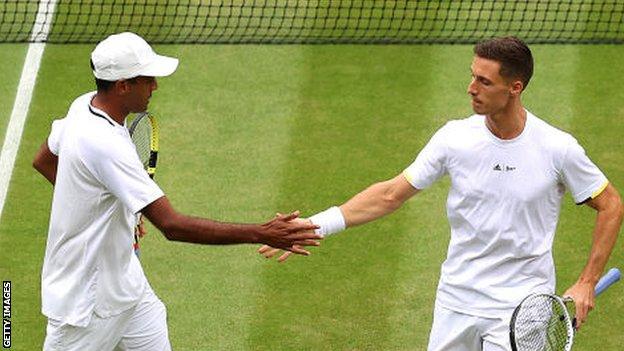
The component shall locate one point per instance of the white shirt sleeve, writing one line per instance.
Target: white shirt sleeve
(54, 139)
(430, 164)
(580, 175)
(116, 165)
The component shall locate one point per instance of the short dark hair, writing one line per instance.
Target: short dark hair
(513, 54)
(106, 85)
(101, 84)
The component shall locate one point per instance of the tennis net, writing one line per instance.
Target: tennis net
(310, 21)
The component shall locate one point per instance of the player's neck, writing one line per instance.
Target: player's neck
(508, 123)
(112, 108)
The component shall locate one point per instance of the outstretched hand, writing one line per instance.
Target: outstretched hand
(269, 251)
(290, 233)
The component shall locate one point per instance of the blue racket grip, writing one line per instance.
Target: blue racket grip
(612, 276)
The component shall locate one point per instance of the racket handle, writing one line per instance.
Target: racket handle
(137, 248)
(612, 276)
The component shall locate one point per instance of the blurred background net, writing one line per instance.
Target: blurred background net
(290, 21)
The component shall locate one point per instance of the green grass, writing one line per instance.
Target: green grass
(251, 130)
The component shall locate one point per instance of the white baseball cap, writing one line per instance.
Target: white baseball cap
(127, 55)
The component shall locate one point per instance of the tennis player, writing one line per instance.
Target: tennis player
(94, 291)
(509, 171)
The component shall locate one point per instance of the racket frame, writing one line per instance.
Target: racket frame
(566, 316)
(153, 156)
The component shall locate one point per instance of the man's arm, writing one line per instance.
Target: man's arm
(280, 232)
(374, 202)
(608, 221)
(46, 163)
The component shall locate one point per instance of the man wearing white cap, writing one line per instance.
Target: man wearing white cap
(94, 291)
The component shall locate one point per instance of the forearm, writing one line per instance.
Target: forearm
(280, 231)
(610, 211)
(204, 231)
(179, 227)
(374, 202)
(608, 222)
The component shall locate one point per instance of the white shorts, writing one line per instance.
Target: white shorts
(454, 331)
(141, 328)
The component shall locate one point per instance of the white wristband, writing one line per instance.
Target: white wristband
(330, 221)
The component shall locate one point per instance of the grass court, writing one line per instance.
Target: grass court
(250, 130)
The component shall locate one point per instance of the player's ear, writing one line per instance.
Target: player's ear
(122, 87)
(516, 87)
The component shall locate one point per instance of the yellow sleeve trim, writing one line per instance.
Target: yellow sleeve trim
(600, 190)
(407, 177)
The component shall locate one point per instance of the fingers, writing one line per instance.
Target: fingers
(291, 223)
(309, 242)
(298, 236)
(297, 239)
(140, 230)
(582, 311)
(583, 306)
(303, 226)
(264, 248)
(268, 252)
(289, 217)
(284, 256)
(271, 252)
(298, 250)
(290, 233)
(579, 320)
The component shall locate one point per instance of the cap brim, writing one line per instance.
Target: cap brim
(162, 66)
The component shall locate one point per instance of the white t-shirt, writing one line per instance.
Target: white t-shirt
(89, 264)
(503, 207)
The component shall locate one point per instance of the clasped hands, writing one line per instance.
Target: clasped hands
(269, 251)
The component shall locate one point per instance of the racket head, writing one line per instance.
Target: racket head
(144, 133)
(541, 322)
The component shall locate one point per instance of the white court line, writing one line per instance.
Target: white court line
(14, 131)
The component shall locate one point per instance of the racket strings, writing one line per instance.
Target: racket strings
(542, 324)
(141, 137)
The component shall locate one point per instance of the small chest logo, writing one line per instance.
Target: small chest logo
(503, 168)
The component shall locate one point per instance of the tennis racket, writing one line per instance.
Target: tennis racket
(542, 322)
(143, 130)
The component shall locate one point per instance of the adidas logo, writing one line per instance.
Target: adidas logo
(504, 168)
